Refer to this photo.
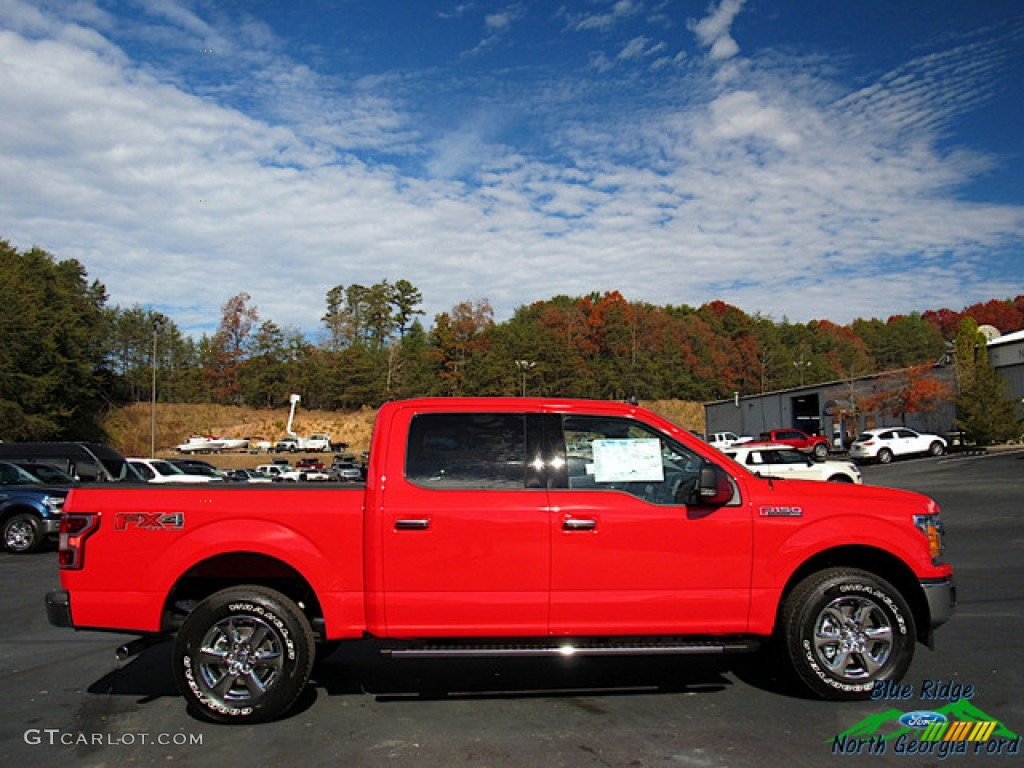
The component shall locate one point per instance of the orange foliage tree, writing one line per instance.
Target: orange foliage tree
(912, 390)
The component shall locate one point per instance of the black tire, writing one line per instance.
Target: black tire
(936, 449)
(840, 478)
(843, 630)
(22, 533)
(243, 655)
(820, 451)
(885, 456)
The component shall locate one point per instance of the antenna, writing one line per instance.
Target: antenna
(990, 332)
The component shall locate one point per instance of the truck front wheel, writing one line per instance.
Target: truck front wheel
(243, 655)
(845, 629)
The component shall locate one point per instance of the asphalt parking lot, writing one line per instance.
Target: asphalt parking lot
(66, 701)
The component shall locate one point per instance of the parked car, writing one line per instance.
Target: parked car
(286, 473)
(795, 438)
(247, 476)
(723, 440)
(888, 443)
(161, 471)
(85, 462)
(30, 512)
(45, 473)
(318, 441)
(287, 445)
(345, 471)
(785, 462)
(310, 464)
(197, 467)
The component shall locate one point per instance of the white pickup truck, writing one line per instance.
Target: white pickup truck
(723, 440)
(287, 473)
(318, 441)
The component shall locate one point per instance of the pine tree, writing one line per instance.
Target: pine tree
(984, 409)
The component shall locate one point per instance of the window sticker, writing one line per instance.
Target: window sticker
(624, 461)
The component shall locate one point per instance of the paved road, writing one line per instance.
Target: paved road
(67, 702)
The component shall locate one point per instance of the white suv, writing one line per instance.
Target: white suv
(888, 443)
(164, 473)
(782, 461)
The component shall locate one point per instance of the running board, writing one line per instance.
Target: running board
(573, 648)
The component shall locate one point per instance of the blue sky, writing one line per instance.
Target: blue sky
(798, 158)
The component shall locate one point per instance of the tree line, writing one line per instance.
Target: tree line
(66, 355)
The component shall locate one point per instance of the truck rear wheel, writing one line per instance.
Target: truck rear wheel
(843, 630)
(243, 655)
(22, 533)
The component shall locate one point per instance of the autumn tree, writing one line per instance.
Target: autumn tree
(229, 347)
(911, 390)
(458, 336)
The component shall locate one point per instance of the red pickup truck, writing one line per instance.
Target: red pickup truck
(794, 438)
(507, 526)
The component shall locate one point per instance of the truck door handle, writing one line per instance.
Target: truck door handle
(406, 524)
(578, 525)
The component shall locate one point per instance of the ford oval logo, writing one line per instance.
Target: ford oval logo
(921, 719)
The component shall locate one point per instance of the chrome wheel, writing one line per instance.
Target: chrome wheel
(21, 534)
(853, 638)
(842, 630)
(240, 659)
(244, 654)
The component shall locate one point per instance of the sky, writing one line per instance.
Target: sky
(800, 159)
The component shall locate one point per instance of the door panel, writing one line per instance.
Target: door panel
(464, 542)
(639, 556)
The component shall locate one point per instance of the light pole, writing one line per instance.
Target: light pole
(802, 365)
(158, 323)
(524, 366)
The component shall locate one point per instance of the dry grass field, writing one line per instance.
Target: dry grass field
(129, 427)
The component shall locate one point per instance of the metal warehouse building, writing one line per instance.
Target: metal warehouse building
(1007, 356)
(828, 409)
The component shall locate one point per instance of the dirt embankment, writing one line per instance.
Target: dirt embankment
(130, 427)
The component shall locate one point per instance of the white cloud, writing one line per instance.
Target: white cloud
(772, 191)
(619, 10)
(713, 31)
(742, 114)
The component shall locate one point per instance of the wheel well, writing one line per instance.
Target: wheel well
(877, 562)
(232, 569)
(18, 509)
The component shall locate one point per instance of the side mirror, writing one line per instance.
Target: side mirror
(715, 486)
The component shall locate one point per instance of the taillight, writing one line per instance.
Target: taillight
(75, 528)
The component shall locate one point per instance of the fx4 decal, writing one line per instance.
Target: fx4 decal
(149, 521)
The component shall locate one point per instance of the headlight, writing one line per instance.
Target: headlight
(54, 503)
(931, 526)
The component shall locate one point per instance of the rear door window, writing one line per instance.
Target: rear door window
(481, 451)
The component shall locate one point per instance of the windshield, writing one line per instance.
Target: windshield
(165, 468)
(10, 474)
(48, 474)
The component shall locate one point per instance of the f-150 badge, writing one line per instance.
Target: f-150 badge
(782, 511)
